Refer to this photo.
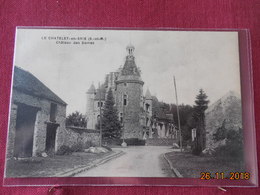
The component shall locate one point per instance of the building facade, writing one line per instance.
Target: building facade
(134, 108)
(139, 113)
(37, 117)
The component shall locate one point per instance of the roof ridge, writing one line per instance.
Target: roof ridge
(30, 84)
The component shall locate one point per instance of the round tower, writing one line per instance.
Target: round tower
(90, 107)
(129, 91)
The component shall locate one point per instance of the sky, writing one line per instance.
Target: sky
(198, 59)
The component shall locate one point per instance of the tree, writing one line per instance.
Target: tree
(186, 121)
(221, 132)
(201, 104)
(111, 126)
(76, 119)
(233, 147)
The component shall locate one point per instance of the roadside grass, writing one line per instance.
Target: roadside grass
(50, 166)
(191, 166)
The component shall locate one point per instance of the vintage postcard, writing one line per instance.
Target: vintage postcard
(126, 103)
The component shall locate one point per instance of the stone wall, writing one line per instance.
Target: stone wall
(42, 116)
(82, 136)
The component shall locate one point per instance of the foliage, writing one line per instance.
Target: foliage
(111, 126)
(76, 119)
(78, 147)
(186, 120)
(234, 143)
(201, 104)
(221, 132)
(190, 117)
(64, 150)
(134, 142)
(89, 144)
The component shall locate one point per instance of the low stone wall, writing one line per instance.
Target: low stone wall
(81, 136)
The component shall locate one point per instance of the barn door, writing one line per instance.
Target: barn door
(25, 123)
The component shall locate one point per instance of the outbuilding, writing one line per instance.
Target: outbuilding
(37, 117)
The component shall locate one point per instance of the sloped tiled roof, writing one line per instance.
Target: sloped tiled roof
(27, 83)
(102, 91)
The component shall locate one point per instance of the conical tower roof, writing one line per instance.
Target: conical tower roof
(130, 67)
(130, 72)
(92, 89)
(148, 95)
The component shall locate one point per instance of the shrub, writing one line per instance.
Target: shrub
(76, 119)
(111, 142)
(39, 154)
(78, 147)
(64, 150)
(233, 147)
(221, 132)
(134, 142)
(88, 144)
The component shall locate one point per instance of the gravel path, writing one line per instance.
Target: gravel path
(138, 161)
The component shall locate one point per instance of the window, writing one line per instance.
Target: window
(121, 117)
(53, 112)
(147, 106)
(100, 103)
(125, 100)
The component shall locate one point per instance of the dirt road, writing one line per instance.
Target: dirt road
(138, 161)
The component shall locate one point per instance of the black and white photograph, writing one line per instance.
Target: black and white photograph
(125, 103)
